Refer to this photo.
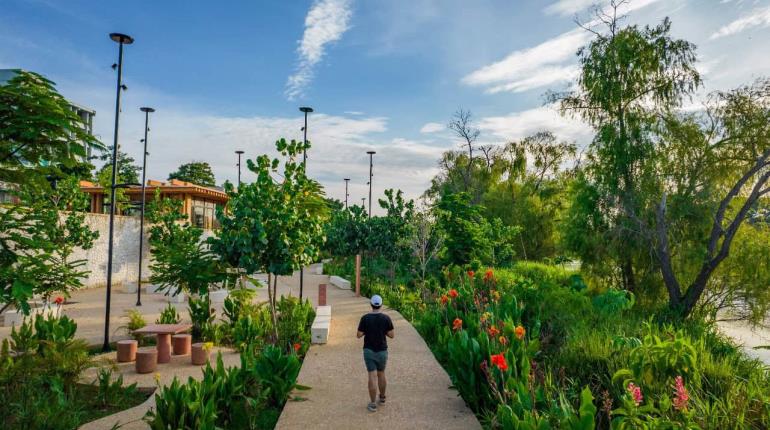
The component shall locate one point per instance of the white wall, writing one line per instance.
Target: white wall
(125, 253)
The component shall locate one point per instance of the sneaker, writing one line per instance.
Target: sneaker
(381, 400)
(372, 407)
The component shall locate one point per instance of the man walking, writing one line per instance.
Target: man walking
(374, 326)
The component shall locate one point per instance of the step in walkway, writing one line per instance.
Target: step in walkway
(419, 393)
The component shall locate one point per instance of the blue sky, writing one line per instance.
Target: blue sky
(382, 75)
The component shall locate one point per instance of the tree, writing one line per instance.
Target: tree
(629, 77)
(347, 232)
(462, 125)
(464, 229)
(196, 172)
(40, 135)
(37, 240)
(729, 151)
(426, 243)
(128, 171)
(271, 226)
(388, 235)
(181, 259)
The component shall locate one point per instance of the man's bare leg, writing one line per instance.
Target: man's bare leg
(373, 386)
(382, 383)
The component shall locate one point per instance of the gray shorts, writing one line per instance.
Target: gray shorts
(375, 360)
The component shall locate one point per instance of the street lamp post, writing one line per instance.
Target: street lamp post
(371, 165)
(147, 111)
(239, 152)
(306, 110)
(347, 181)
(363, 202)
(121, 39)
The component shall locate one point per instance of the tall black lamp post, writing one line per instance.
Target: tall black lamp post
(347, 181)
(147, 111)
(121, 39)
(363, 202)
(371, 165)
(239, 152)
(306, 110)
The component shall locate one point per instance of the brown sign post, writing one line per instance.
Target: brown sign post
(358, 275)
(322, 295)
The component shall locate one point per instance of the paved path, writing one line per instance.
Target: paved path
(419, 396)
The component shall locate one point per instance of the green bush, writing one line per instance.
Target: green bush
(169, 315)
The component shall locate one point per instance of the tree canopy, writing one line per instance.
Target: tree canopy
(197, 172)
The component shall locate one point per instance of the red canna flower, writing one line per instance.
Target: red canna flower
(493, 331)
(453, 293)
(489, 275)
(59, 300)
(471, 273)
(457, 324)
(499, 361)
(297, 347)
(444, 299)
(519, 331)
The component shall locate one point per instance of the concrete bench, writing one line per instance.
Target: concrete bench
(339, 282)
(218, 296)
(319, 331)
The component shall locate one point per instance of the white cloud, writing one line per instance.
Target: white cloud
(568, 7)
(520, 69)
(759, 17)
(325, 23)
(432, 127)
(518, 125)
(549, 63)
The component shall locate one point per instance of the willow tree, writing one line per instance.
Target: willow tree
(273, 225)
(629, 77)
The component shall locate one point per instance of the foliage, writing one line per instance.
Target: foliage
(196, 172)
(111, 391)
(37, 242)
(201, 314)
(135, 322)
(40, 135)
(181, 261)
(40, 368)
(346, 232)
(127, 173)
(245, 397)
(169, 315)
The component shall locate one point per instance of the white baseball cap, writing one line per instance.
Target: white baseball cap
(376, 300)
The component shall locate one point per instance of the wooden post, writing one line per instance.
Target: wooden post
(322, 295)
(358, 275)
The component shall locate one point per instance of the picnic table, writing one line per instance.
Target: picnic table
(164, 332)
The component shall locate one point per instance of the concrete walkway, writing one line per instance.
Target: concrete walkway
(418, 391)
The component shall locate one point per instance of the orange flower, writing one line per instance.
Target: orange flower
(297, 347)
(471, 273)
(58, 300)
(495, 295)
(499, 361)
(444, 299)
(457, 324)
(453, 293)
(488, 275)
(519, 331)
(493, 331)
(503, 340)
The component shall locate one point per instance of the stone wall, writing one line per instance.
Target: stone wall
(125, 253)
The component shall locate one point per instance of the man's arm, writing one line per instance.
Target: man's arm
(360, 334)
(390, 334)
(361, 327)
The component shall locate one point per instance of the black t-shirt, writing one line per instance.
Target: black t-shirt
(374, 326)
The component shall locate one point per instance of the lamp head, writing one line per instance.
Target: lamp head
(146, 109)
(122, 38)
(346, 179)
(370, 152)
(239, 152)
(306, 109)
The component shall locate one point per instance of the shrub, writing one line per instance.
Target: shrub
(169, 315)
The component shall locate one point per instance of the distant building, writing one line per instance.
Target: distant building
(200, 203)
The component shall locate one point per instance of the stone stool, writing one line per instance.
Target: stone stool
(164, 347)
(181, 343)
(127, 350)
(146, 360)
(200, 355)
